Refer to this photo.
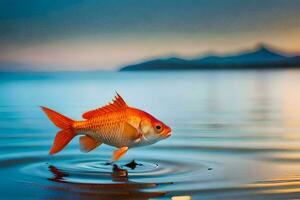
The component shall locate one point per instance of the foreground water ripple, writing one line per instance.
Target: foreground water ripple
(242, 144)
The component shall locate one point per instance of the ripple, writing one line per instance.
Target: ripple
(94, 170)
(155, 173)
(77, 174)
(92, 175)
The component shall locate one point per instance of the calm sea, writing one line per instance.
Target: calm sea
(236, 135)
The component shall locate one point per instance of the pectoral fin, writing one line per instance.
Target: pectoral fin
(131, 131)
(87, 143)
(119, 153)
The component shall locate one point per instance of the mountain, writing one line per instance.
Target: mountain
(262, 57)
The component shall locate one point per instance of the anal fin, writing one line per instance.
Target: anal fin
(87, 143)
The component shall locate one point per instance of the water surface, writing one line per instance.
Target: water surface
(236, 135)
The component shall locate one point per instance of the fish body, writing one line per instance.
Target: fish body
(115, 124)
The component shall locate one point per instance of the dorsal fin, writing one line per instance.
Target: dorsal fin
(116, 105)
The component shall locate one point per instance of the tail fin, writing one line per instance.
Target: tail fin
(64, 136)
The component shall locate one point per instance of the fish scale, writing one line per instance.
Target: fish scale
(115, 124)
(107, 128)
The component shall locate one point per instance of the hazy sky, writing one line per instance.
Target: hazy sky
(106, 34)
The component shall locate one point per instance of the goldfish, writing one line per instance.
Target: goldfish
(115, 124)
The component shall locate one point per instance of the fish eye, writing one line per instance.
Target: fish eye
(158, 127)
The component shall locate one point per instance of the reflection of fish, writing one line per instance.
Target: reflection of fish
(115, 124)
(118, 174)
(121, 188)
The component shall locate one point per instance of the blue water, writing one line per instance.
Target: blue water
(236, 135)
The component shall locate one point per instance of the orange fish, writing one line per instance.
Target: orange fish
(115, 124)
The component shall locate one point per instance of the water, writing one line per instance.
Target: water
(236, 135)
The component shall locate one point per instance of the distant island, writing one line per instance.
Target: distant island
(262, 57)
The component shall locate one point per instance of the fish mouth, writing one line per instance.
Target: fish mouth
(168, 132)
